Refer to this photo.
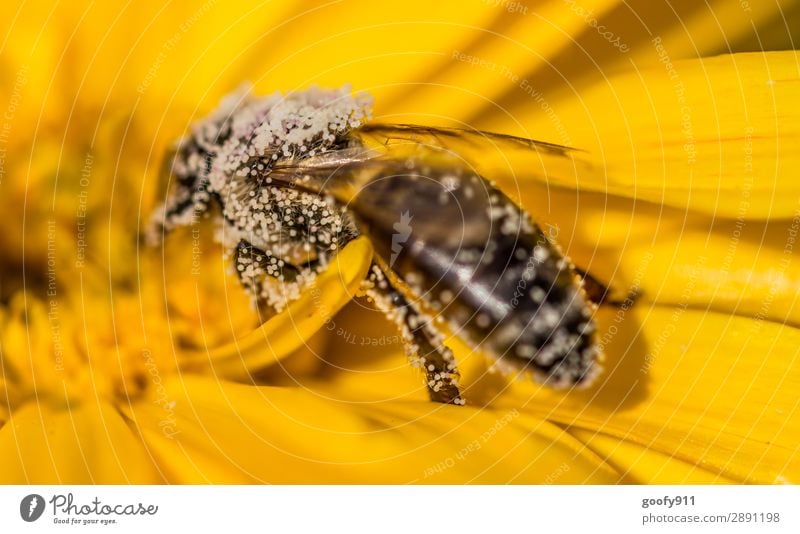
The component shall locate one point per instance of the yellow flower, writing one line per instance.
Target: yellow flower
(122, 363)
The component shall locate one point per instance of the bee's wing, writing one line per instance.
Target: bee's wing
(451, 137)
(506, 159)
(333, 172)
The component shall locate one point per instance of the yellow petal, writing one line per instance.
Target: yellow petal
(85, 444)
(226, 432)
(523, 53)
(206, 304)
(288, 330)
(740, 266)
(719, 27)
(609, 37)
(512, 43)
(642, 464)
(685, 395)
(365, 368)
(94, 52)
(707, 134)
(749, 271)
(37, 346)
(704, 388)
(374, 48)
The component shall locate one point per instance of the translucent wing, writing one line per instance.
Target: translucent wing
(457, 138)
(507, 160)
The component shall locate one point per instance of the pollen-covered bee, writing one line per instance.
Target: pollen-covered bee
(296, 177)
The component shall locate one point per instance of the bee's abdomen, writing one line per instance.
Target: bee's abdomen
(526, 306)
(467, 250)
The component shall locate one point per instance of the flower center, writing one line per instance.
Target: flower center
(82, 346)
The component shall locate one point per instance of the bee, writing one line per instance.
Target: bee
(296, 177)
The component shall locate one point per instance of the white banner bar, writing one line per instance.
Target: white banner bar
(401, 509)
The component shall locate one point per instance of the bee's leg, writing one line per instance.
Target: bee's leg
(254, 267)
(424, 344)
(602, 294)
(251, 262)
